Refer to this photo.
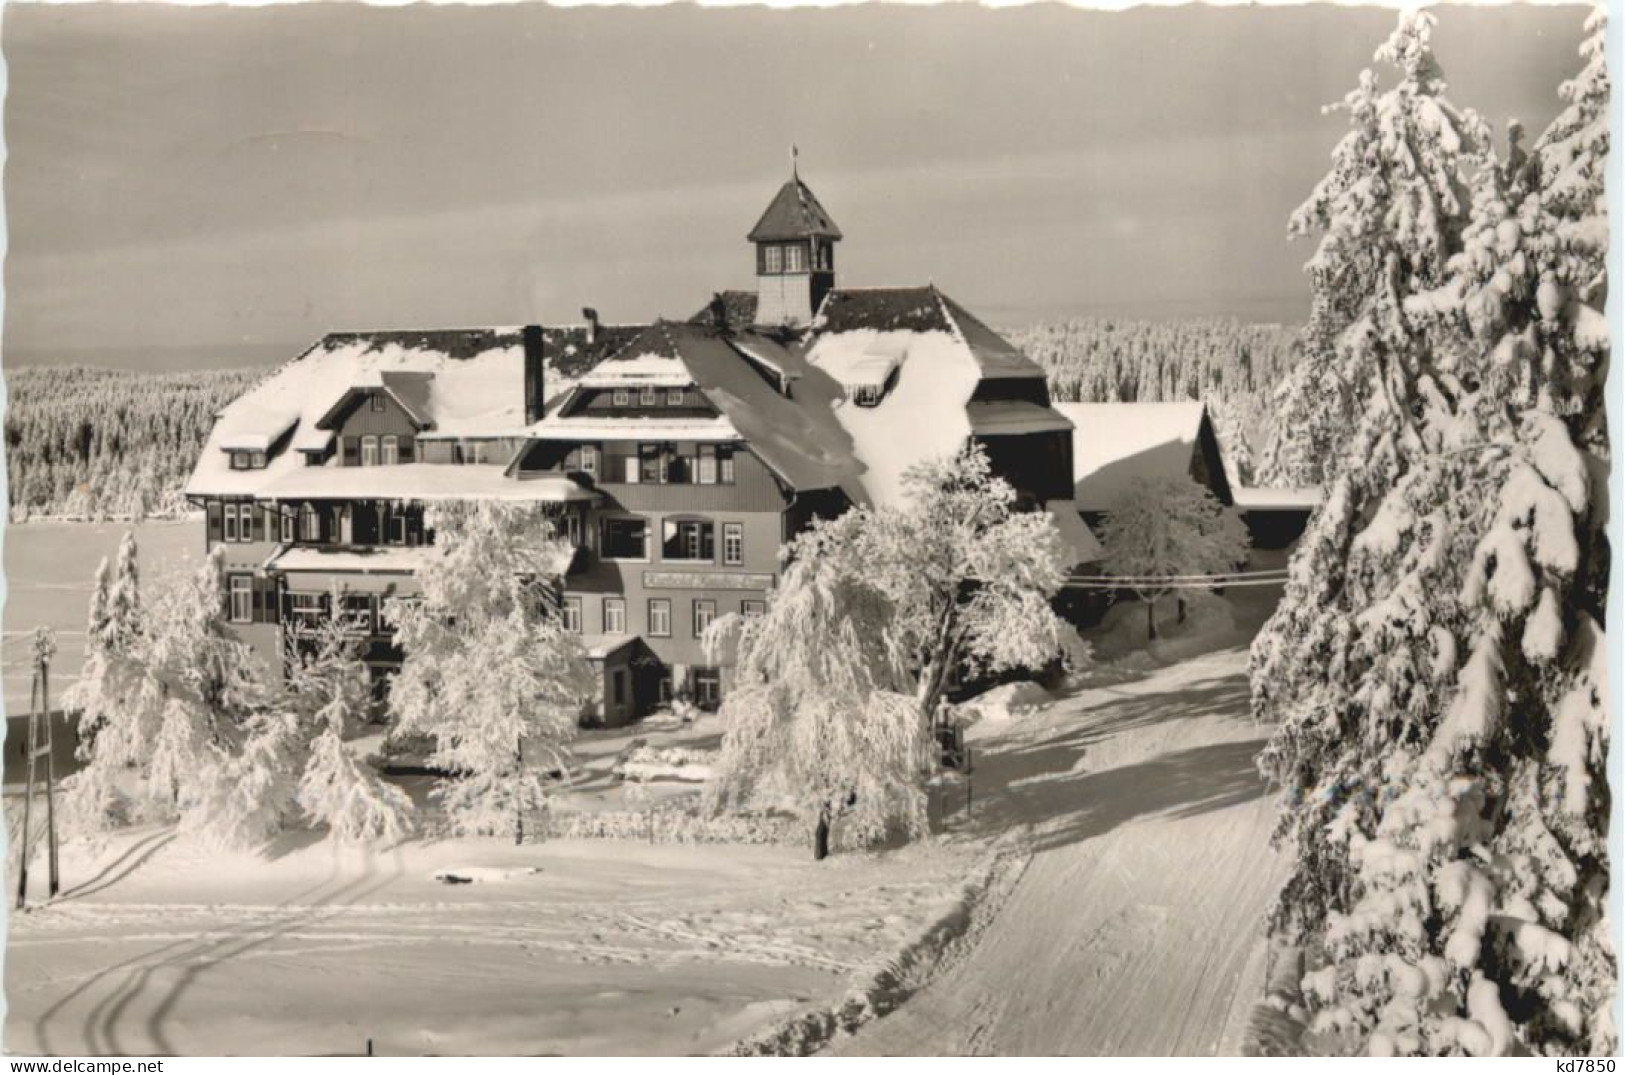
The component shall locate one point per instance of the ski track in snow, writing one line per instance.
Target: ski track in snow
(1136, 928)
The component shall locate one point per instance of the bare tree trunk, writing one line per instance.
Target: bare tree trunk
(1181, 601)
(1151, 618)
(821, 835)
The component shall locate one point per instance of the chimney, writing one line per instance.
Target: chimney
(533, 374)
(592, 323)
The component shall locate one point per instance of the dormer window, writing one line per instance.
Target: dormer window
(675, 397)
(867, 395)
(649, 397)
(622, 398)
(377, 402)
(247, 460)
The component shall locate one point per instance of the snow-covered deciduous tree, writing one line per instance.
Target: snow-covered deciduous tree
(490, 673)
(1436, 665)
(969, 578)
(1167, 528)
(822, 716)
(837, 683)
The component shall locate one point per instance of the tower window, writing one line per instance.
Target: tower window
(795, 258)
(772, 260)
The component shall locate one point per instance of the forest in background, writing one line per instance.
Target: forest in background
(91, 443)
(1232, 366)
(96, 444)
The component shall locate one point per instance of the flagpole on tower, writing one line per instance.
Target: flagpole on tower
(794, 153)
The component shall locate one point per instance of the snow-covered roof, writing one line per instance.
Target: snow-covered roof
(380, 561)
(419, 481)
(1005, 417)
(1086, 548)
(923, 309)
(599, 646)
(1118, 445)
(652, 427)
(1298, 499)
(636, 371)
(408, 388)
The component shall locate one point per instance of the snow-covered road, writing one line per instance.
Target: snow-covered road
(1135, 927)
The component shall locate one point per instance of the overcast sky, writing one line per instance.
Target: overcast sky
(204, 187)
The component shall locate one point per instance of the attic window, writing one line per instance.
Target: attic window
(377, 401)
(622, 398)
(675, 397)
(649, 397)
(247, 460)
(867, 395)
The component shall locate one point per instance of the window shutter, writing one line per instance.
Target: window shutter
(213, 511)
(256, 516)
(352, 451)
(406, 449)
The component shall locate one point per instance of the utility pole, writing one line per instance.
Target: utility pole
(40, 745)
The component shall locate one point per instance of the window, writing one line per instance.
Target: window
(675, 397)
(625, 539)
(358, 612)
(571, 529)
(707, 469)
(392, 451)
(795, 258)
(231, 522)
(614, 616)
(707, 687)
(310, 524)
(247, 460)
(288, 524)
(650, 470)
(369, 451)
(617, 683)
(752, 608)
(772, 260)
(867, 395)
(663, 688)
(660, 617)
(649, 396)
(733, 543)
(621, 398)
(725, 465)
(631, 470)
(705, 613)
(687, 539)
(242, 598)
(570, 615)
(239, 460)
(589, 459)
(256, 460)
(306, 609)
(377, 401)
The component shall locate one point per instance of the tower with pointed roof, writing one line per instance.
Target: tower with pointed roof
(795, 256)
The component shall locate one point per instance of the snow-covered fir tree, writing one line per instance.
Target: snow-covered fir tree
(336, 789)
(1436, 665)
(1389, 215)
(1166, 529)
(490, 673)
(104, 697)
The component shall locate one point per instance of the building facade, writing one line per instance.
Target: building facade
(678, 457)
